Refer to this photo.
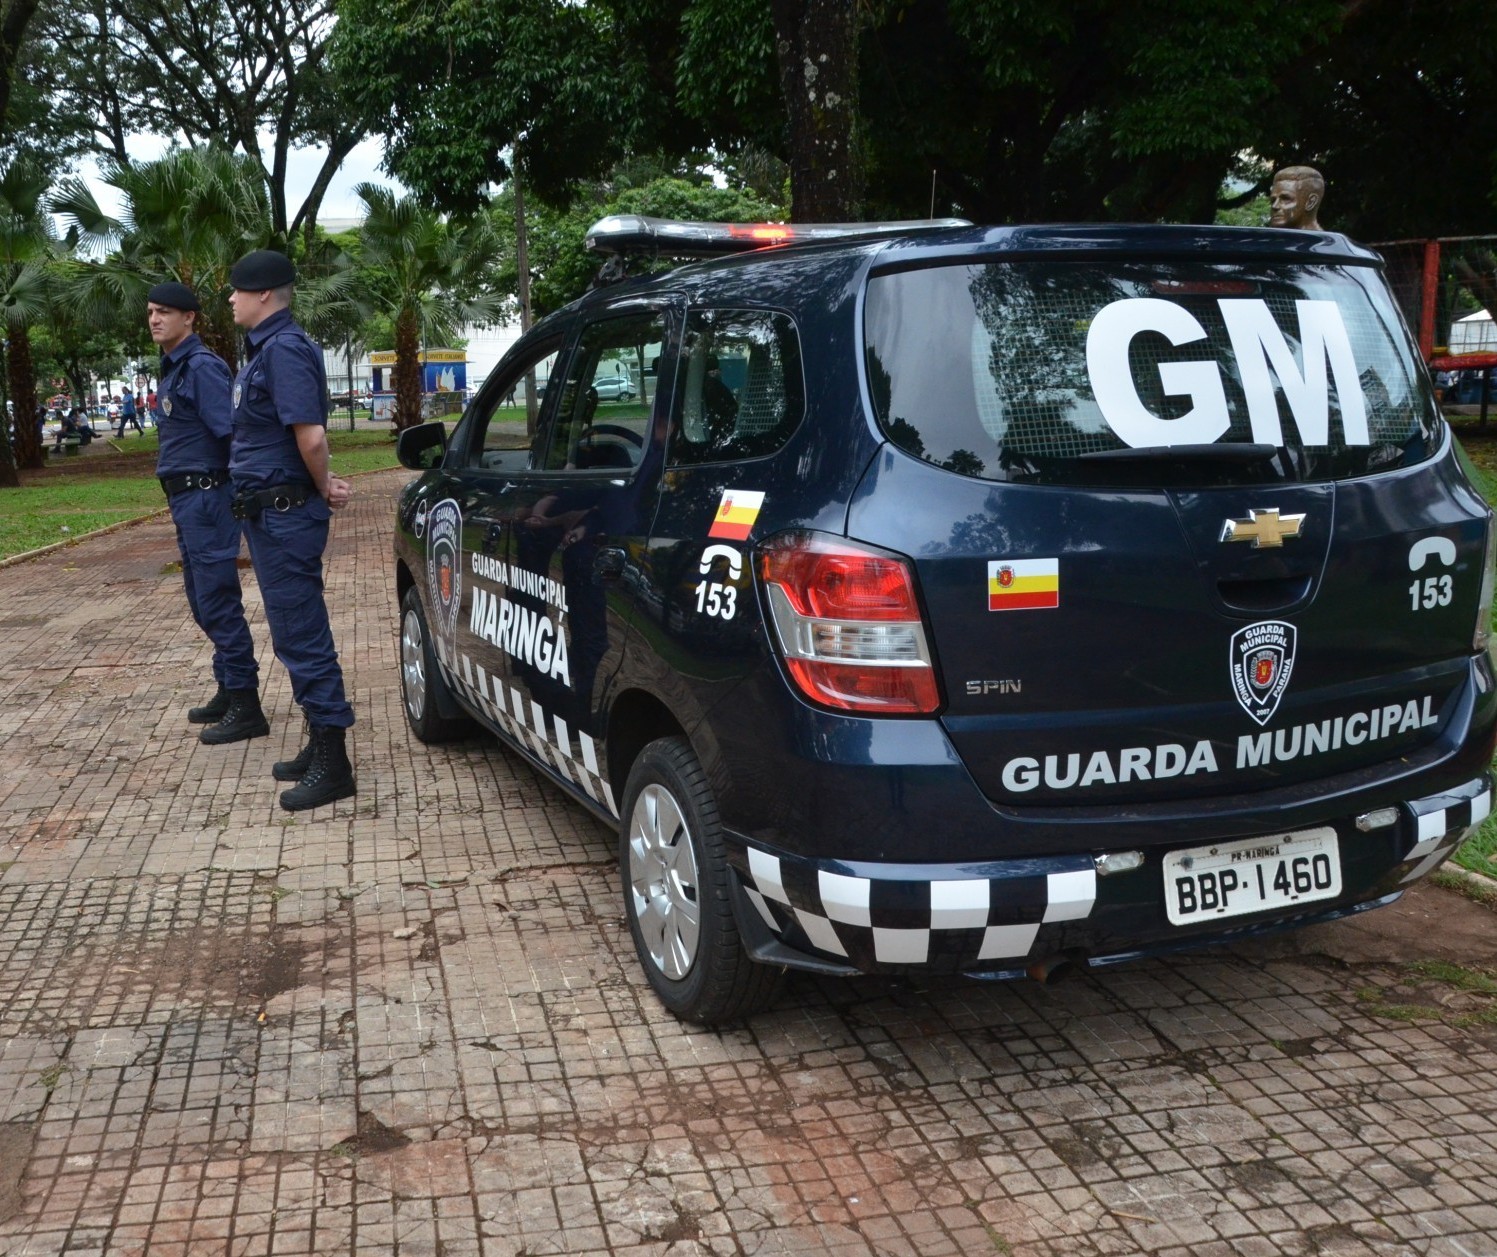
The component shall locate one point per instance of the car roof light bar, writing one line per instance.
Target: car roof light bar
(638, 233)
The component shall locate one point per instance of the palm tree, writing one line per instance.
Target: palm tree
(26, 250)
(187, 216)
(430, 274)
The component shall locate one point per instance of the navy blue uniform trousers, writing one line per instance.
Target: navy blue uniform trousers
(208, 539)
(286, 548)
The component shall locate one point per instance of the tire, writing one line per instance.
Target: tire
(424, 694)
(675, 879)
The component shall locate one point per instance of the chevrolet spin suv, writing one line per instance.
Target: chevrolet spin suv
(986, 600)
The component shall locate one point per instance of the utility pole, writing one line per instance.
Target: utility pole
(522, 265)
(348, 363)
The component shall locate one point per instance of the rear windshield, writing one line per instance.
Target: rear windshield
(1127, 372)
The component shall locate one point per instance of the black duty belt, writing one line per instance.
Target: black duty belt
(249, 504)
(193, 480)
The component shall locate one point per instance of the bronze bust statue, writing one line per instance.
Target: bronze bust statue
(1295, 198)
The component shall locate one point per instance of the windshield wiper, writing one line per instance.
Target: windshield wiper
(1212, 453)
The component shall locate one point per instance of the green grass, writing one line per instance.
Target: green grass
(74, 498)
(1435, 990)
(1479, 852)
(67, 507)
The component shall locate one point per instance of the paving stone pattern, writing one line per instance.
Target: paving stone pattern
(413, 1023)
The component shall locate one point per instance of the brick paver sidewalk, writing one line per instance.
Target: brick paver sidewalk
(413, 1023)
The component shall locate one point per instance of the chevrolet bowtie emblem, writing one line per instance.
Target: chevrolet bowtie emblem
(1265, 529)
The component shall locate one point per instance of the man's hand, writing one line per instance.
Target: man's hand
(338, 492)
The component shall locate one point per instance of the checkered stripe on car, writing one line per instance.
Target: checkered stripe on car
(526, 722)
(910, 921)
(1442, 822)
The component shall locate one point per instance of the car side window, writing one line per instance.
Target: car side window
(501, 439)
(602, 419)
(741, 394)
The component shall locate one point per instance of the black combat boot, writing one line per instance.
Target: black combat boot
(243, 719)
(329, 776)
(295, 769)
(211, 712)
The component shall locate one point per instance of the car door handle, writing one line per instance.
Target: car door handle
(608, 565)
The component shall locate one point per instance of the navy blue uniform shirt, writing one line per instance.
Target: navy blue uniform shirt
(192, 410)
(281, 383)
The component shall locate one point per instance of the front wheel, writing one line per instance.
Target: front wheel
(422, 688)
(676, 887)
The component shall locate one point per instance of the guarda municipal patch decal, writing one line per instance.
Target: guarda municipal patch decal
(1262, 661)
(444, 570)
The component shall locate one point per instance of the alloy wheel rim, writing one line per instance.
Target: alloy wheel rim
(664, 890)
(413, 664)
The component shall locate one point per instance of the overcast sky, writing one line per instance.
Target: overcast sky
(361, 166)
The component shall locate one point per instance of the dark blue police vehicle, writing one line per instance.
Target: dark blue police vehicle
(981, 600)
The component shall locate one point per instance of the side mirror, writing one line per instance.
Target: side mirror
(421, 448)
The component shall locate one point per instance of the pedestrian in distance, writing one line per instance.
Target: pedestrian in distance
(285, 494)
(129, 417)
(194, 417)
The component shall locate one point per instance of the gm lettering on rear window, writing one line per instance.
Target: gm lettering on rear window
(1072, 373)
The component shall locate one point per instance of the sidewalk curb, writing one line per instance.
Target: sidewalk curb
(87, 536)
(1477, 881)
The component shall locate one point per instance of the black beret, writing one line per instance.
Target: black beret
(177, 296)
(262, 269)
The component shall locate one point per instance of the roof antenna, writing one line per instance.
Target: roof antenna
(932, 193)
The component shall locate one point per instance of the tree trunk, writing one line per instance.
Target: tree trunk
(522, 273)
(8, 477)
(405, 378)
(15, 16)
(816, 46)
(22, 375)
(220, 340)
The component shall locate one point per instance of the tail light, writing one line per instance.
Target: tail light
(849, 624)
(1482, 638)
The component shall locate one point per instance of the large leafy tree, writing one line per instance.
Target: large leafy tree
(74, 350)
(1398, 114)
(248, 75)
(557, 92)
(1076, 109)
(187, 216)
(469, 94)
(27, 250)
(430, 274)
(561, 268)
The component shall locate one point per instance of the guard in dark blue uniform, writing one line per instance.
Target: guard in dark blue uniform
(285, 495)
(194, 419)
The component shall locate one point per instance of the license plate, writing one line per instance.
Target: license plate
(1230, 879)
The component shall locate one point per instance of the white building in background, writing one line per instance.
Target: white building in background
(1473, 334)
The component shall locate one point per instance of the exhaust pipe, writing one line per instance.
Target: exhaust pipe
(1051, 969)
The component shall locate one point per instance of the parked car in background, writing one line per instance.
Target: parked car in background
(614, 388)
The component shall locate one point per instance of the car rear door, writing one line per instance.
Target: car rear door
(1181, 528)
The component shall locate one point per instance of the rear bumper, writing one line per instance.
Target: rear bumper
(815, 784)
(1003, 918)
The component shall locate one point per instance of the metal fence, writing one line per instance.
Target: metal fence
(1447, 289)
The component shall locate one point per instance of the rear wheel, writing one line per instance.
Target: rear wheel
(424, 692)
(676, 890)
